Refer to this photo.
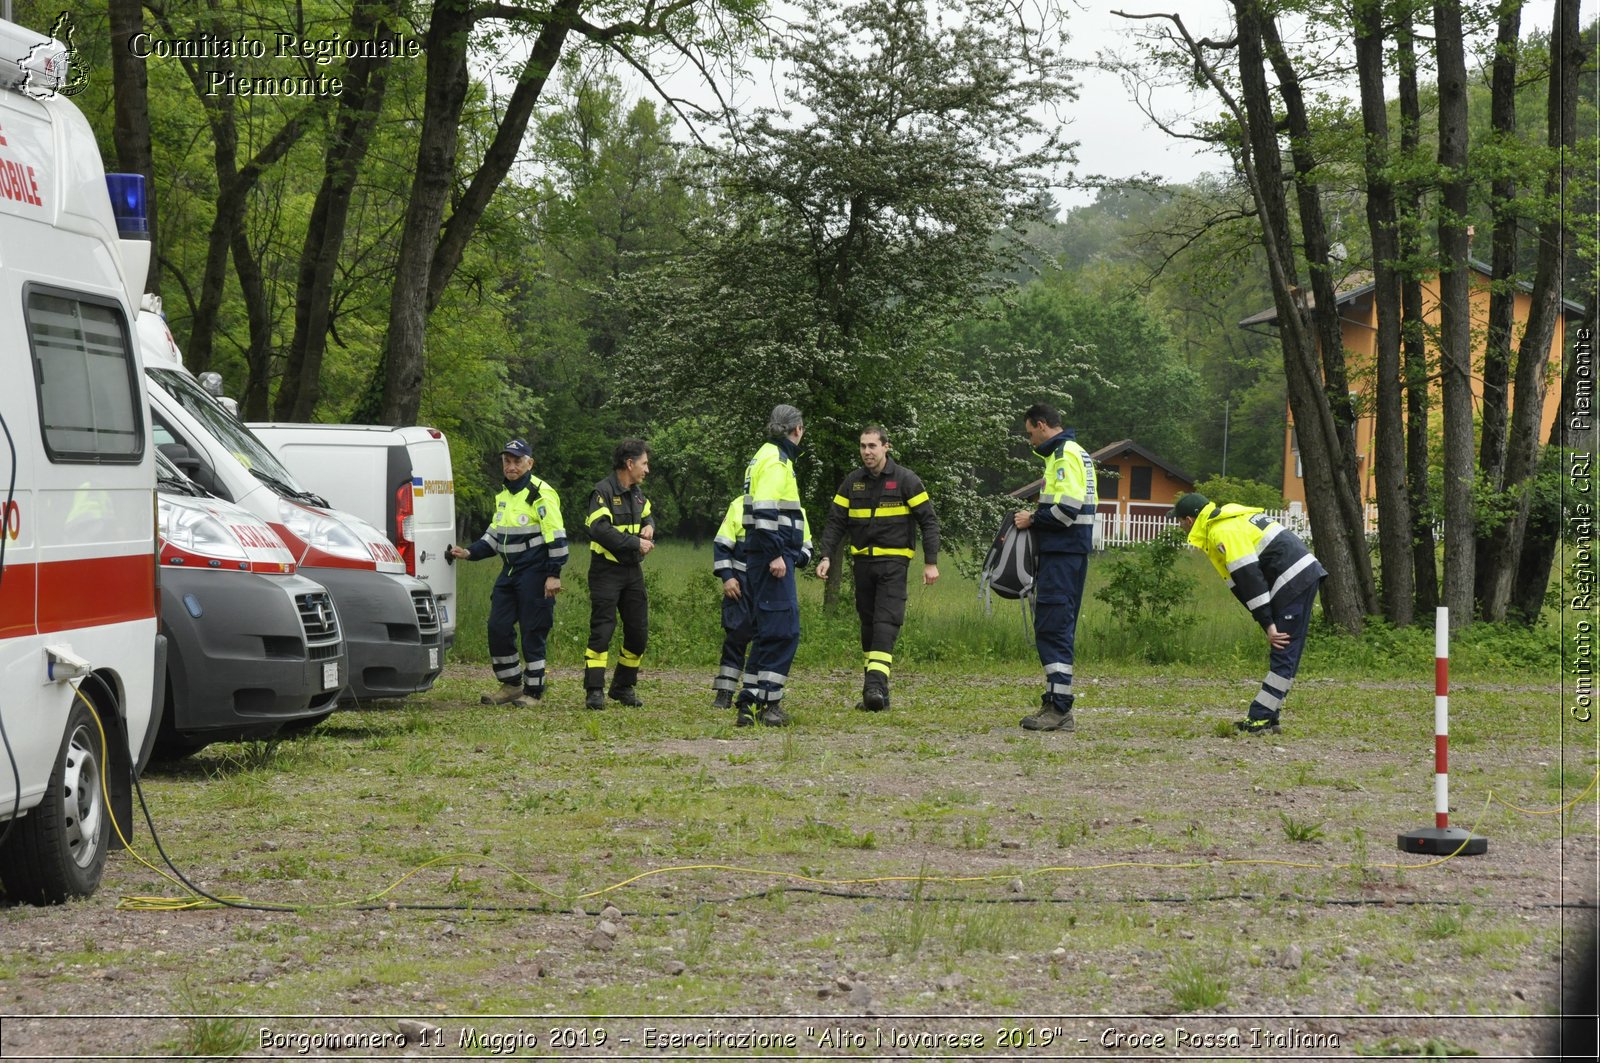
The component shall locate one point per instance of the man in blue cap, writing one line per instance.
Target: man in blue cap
(1273, 574)
(528, 536)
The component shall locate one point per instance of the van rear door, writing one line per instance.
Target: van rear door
(433, 503)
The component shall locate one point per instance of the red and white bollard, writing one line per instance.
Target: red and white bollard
(1442, 839)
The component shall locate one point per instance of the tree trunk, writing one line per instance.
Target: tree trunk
(234, 185)
(1394, 508)
(502, 152)
(365, 80)
(1413, 338)
(399, 385)
(1314, 236)
(1533, 353)
(1349, 588)
(258, 355)
(428, 256)
(1502, 293)
(1455, 324)
(130, 128)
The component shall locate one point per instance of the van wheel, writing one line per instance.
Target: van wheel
(58, 850)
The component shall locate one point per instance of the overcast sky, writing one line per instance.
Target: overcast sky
(1115, 137)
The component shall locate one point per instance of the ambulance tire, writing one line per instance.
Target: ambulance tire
(58, 850)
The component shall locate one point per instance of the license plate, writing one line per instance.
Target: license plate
(330, 676)
(433, 657)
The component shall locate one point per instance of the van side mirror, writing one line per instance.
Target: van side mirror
(180, 456)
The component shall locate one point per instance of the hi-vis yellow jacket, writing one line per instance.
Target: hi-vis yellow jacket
(1261, 560)
(774, 521)
(526, 531)
(1068, 498)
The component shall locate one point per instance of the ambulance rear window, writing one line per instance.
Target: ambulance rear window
(83, 368)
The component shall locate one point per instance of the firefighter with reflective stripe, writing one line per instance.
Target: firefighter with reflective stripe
(1273, 574)
(775, 530)
(738, 620)
(1063, 526)
(621, 533)
(880, 506)
(529, 538)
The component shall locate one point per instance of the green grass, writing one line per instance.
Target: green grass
(1167, 861)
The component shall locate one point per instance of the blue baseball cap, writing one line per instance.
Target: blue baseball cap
(517, 448)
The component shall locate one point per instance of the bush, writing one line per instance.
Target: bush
(1150, 600)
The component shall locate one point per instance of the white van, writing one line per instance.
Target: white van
(389, 619)
(80, 654)
(397, 479)
(252, 645)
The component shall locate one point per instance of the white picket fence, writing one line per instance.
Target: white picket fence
(1123, 529)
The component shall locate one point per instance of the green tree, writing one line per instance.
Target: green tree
(842, 247)
(1139, 389)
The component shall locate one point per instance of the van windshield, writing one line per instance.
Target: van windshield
(251, 452)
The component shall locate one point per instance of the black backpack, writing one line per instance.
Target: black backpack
(1009, 567)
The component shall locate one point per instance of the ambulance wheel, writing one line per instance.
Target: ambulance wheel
(58, 850)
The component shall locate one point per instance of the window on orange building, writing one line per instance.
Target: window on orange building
(1139, 482)
(1105, 482)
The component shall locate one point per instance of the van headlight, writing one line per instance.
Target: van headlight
(196, 531)
(322, 531)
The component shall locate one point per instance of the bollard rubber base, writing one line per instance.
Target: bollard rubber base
(1444, 841)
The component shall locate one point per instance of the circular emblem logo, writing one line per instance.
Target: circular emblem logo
(522, 518)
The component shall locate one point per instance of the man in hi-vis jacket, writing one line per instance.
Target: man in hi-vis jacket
(774, 547)
(529, 538)
(1273, 574)
(1063, 527)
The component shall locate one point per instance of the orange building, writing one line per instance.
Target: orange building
(1358, 324)
(1136, 488)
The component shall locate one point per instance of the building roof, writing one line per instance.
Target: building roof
(1350, 295)
(1107, 453)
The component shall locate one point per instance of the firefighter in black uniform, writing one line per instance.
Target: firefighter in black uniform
(881, 505)
(621, 532)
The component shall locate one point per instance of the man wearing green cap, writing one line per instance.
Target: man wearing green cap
(1274, 574)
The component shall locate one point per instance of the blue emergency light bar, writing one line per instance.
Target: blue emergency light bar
(128, 205)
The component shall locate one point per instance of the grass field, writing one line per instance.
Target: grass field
(863, 884)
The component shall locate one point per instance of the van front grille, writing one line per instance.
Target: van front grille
(427, 612)
(320, 621)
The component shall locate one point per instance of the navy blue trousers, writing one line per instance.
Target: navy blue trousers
(518, 603)
(775, 605)
(738, 628)
(1294, 618)
(1058, 594)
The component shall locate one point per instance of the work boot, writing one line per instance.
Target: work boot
(746, 716)
(875, 699)
(594, 698)
(724, 700)
(772, 716)
(627, 696)
(508, 693)
(1050, 717)
(1258, 725)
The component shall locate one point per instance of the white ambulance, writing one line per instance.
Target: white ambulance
(389, 619)
(80, 654)
(397, 479)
